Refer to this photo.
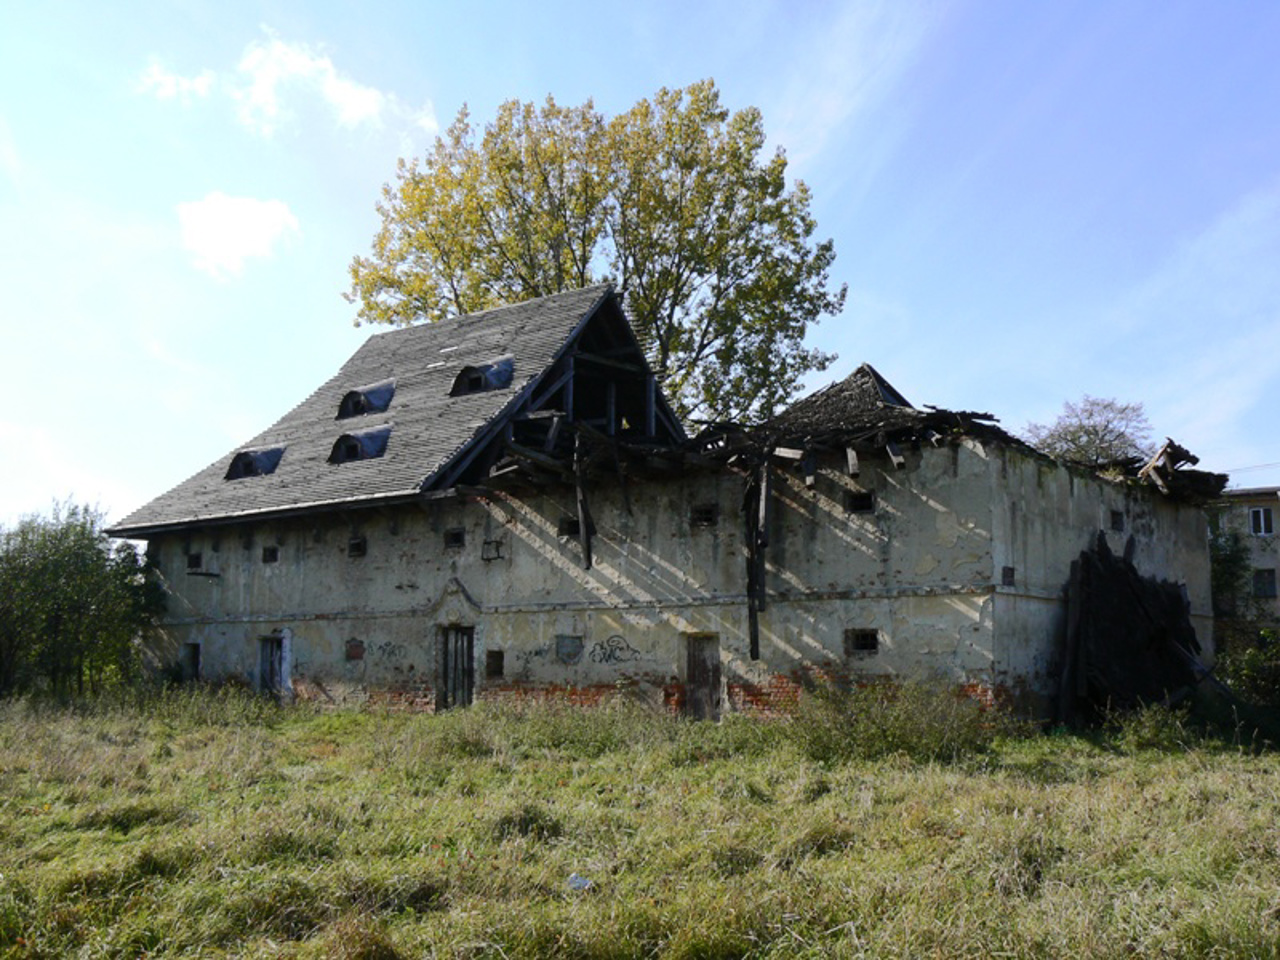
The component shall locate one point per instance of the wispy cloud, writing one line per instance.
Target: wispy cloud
(165, 85)
(861, 57)
(274, 79)
(222, 232)
(1216, 299)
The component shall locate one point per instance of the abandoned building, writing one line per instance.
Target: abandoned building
(504, 505)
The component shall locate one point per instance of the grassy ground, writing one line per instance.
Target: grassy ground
(224, 826)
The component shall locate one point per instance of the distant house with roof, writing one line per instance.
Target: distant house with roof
(1253, 513)
(505, 505)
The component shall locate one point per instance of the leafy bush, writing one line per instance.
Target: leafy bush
(72, 604)
(1253, 672)
(926, 722)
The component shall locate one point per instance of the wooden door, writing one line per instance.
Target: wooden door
(702, 676)
(457, 667)
(271, 663)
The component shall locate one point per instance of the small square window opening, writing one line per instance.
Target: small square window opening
(569, 527)
(861, 643)
(195, 561)
(704, 515)
(455, 538)
(270, 554)
(860, 501)
(357, 546)
(494, 664)
(1117, 521)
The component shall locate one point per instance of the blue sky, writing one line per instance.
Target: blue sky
(1029, 201)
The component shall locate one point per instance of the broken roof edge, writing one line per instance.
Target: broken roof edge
(489, 430)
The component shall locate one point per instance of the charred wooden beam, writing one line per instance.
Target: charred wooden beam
(540, 459)
(596, 358)
(851, 461)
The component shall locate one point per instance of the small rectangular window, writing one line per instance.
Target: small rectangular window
(1264, 584)
(494, 663)
(569, 527)
(195, 561)
(861, 643)
(860, 501)
(1008, 576)
(704, 515)
(455, 538)
(270, 554)
(1260, 522)
(357, 546)
(1117, 521)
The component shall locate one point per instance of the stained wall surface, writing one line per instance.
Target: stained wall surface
(894, 572)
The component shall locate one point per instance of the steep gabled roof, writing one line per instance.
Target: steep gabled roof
(449, 383)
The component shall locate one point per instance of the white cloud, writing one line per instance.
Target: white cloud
(270, 69)
(171, 86)
(274, 78)
(221, 232)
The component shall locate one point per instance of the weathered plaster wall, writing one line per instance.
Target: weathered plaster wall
(1043, 516)
(921, 569)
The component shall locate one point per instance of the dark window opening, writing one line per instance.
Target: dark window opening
(570, 527)
(861, 643)
(859, 501)
(355, 649)
(1264, 584)
(494, 663)
(704, 515)
(374, 398)
(455, 538)
(366, 445)
(1007, 576)
(270, 554)
(494, 375)
(1260, 522)
(195, 561)
(254, 463)
(357, 546)
(1117, 521)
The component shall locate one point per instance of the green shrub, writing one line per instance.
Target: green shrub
(926, 722)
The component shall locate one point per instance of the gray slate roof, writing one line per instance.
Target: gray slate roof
(428, 426)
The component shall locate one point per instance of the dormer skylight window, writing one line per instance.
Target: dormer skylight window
(254, 463)
(482, 377)
(373, 398)
(362, 445)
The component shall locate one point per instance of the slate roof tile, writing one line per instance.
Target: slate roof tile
(429, 427)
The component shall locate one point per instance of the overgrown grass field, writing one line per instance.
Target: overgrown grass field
(200, 824)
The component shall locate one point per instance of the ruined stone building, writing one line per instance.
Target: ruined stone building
(504, 505)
